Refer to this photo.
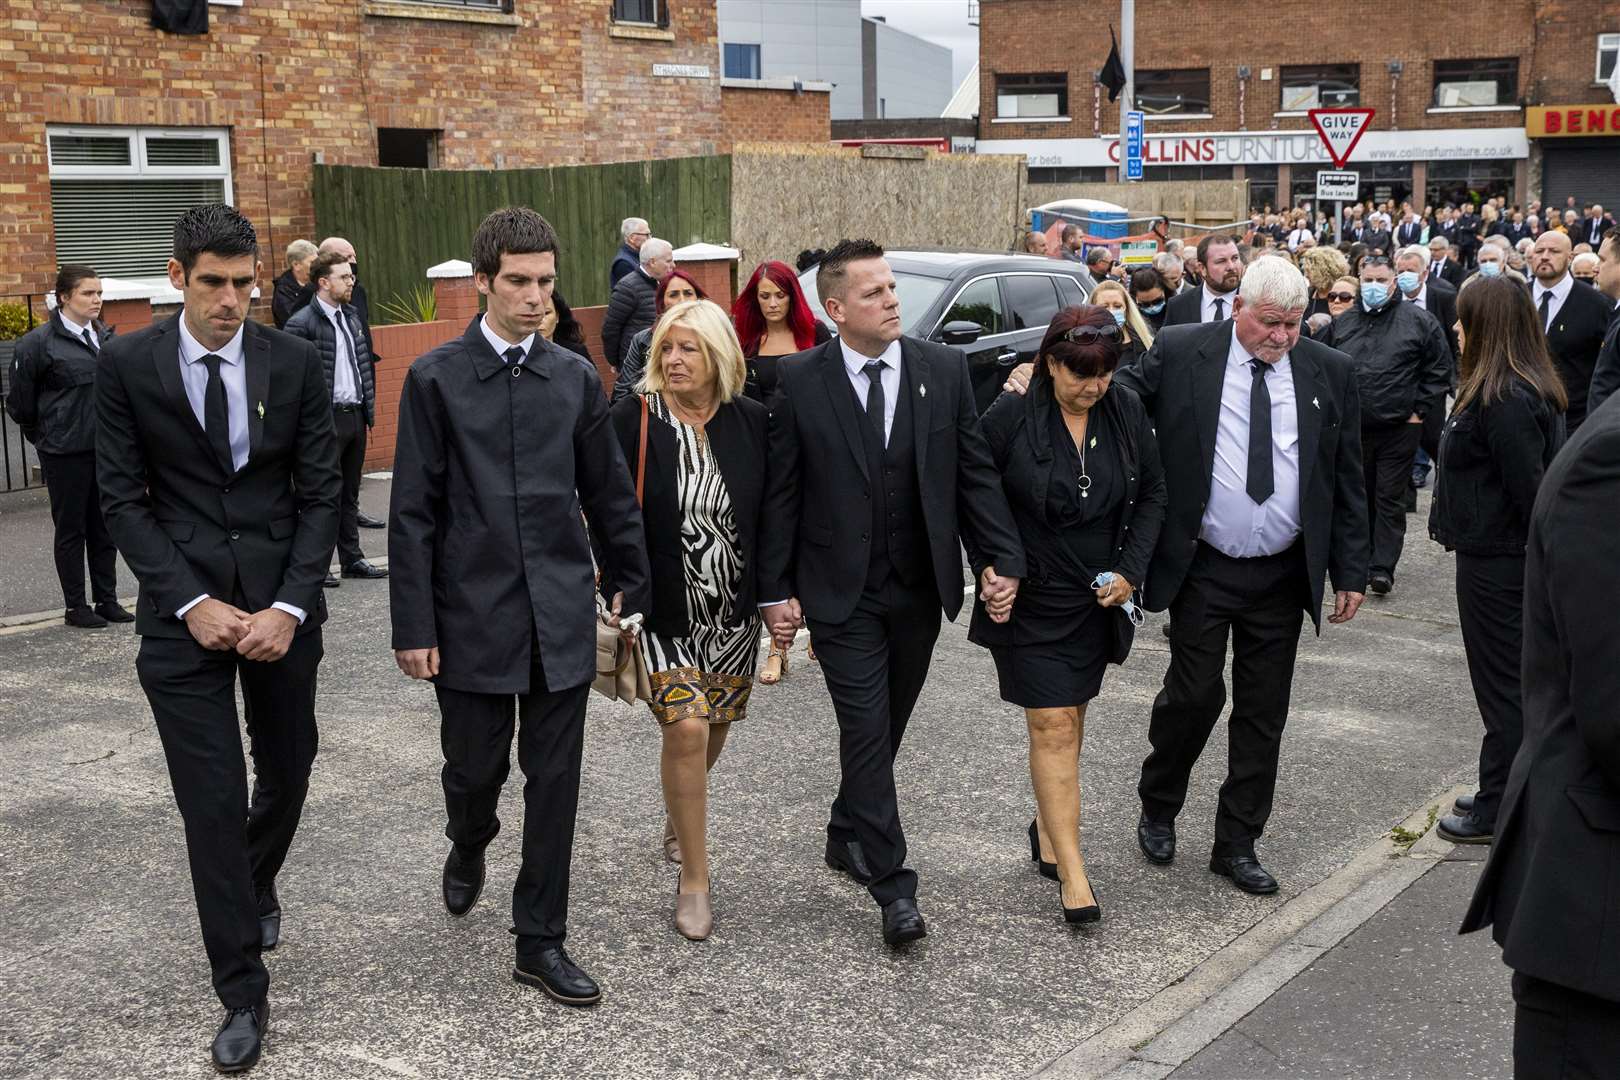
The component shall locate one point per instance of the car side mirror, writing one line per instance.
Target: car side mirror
(960, 332)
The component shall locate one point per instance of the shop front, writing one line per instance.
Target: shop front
(1580, 152)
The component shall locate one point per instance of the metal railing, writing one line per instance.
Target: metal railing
(17, 457)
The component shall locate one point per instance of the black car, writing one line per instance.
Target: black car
(994, 307)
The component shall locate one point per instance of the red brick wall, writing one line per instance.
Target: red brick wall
(576, 90)
(399, 346)
(757, 115)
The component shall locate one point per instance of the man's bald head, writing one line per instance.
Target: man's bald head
(336, 245)
(1549, 259)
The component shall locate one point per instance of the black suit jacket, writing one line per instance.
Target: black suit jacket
(184, 525)
(1185, 307)
(818, 502)
(1451, 272)
(737, 436)
(486, 549)
(1549, 888)
(1575, 338)
(1441, 299)
(1406, 235)
(1180, 381)
(1606, 372)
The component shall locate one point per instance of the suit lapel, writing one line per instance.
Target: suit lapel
(1210, 380)
(166, 362)
(835, 379)
(1307, 392)
(256, 355)
(914, 377)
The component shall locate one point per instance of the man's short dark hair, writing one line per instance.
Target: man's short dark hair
(834, 265)
(1210, 241)
(1070, 231)
(512, 230)
(214, 229)
(322, 266)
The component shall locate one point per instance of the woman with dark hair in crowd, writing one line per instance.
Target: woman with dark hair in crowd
(675, 287)
(562, 328)
(1503, 432)
(1081, 471)
(1150, 293)
(53, 400)
(773, 320)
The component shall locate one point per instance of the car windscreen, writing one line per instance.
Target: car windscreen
(917, 294)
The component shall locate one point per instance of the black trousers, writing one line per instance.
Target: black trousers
(349, 425)
(1562, 1034)
(70, 481)
(1387, 451)
(475, 732)
(875, 663)
(1262, 602)
(1490, 607)
(235, 843)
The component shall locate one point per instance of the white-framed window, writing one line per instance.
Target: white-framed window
(1608, 55)
(116, 191)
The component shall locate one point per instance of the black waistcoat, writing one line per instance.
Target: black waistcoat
(899, 540)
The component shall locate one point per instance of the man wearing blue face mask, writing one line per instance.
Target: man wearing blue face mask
(1403, 365)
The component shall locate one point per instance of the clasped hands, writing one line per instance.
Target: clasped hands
(998, 593)
(263, 636)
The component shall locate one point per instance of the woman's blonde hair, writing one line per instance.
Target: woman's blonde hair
(1141, 332)
(716, 337)
(1322, 266)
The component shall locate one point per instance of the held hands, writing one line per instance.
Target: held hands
(418, 663)
(270, 633)
(1345, 605)
(1116, 592)
(783, 621)
(217, 625)
(998, 594)
(1018, 378)
(616, 619)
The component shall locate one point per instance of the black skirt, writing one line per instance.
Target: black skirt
(1057, 674)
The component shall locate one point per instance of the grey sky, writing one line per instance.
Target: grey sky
(944, 22)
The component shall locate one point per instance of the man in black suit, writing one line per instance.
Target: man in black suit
(1443, 266)
(875, 448)
(1212, 300)
(1574, 316)
(1378, 237)
(219, 483)
(1606, 371)
(503, 439)
(1594, 227)
(1410, 230)
(1467, 235)
(1260, 432)
(1548, 889)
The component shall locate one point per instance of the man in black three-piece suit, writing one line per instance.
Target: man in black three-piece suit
(1551, 890)
(1260, 433)
(219, 483)
(875, 449)
(1573, 315)
(504, 438)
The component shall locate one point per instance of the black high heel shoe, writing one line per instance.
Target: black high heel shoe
(1091, 913)
(1047, 869)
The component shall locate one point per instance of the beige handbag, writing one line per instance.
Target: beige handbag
(621, 666)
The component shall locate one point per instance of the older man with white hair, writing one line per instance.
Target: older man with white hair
(633, 232)
(633, 306)
(1266, 500)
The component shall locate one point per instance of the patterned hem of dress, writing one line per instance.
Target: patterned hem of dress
(684, 692)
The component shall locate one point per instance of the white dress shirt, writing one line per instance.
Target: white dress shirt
(500, 344)
(344, 390)
(80, 331)
(1206, 304)
(1560, 293)
(1421, 299)
(860, 382)
(1233, 523)
(233, 372)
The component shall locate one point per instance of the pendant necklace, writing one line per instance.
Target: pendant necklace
(1084, 478)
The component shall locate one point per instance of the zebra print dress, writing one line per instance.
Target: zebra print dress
(709, 672)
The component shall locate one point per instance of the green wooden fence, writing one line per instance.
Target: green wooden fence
(402, 221)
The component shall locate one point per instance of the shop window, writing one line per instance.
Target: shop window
(1068, 174)
(1023, 97)
(1173, 92)
(1321, 86)
(1461, 84)
(1458, 182)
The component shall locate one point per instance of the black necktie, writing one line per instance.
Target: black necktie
(1220, 309)
(874, 397)
(90, 340)
(1546, 312)
(217, 415)
(515, 354)
(1261, 484)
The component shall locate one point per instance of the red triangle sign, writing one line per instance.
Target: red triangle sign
(1340, 130)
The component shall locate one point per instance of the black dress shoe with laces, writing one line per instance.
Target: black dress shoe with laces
(362, 569)
(1464, 804)
(463, 881)
(1157, 839)
(1246, 873)
(366, 521)
(113, 611)
(902, 922)
(848, 858)
(269, 916)
(84, 618)
(552, 971)
(1466, 829)
(241, 1037)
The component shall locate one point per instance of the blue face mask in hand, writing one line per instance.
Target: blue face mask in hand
(1132, 612)
(1408, 280)
(1153, 308)
(1374, 293)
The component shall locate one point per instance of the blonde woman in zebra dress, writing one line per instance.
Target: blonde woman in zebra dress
(704, 482)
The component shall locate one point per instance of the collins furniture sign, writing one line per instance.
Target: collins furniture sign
(1560, 121)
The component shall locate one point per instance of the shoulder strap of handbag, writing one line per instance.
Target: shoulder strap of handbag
(641, 453)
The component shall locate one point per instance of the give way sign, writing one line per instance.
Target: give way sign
(1340, 130)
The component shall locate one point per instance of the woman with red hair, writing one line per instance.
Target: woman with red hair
(675, 287)
(773, 320)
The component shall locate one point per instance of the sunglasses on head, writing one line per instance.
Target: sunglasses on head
(1376, 260)
(1085, 335)
(1341, 297)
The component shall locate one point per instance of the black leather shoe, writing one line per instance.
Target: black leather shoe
(83, 618)
(241, 1036)
(902, 922)
(1047, 869)
(1380, 582)
(1464, 804)
(463, 881)
(366, 521)
(362, 569)
(269, 917)
(1465, 829)
(562, 980)
(1157, 839)
(1246, 873)
(113, 611)
(330, 582)
(848, 858)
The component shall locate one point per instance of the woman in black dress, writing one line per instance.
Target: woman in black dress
(1081, 471)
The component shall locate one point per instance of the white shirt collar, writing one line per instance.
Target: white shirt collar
(855, 363)
(1422, 297)
(192, 350)
(1211, 296)
(500, 344)
(72, 327)
(331, 311)
(1237, 355)
(1560, 291)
